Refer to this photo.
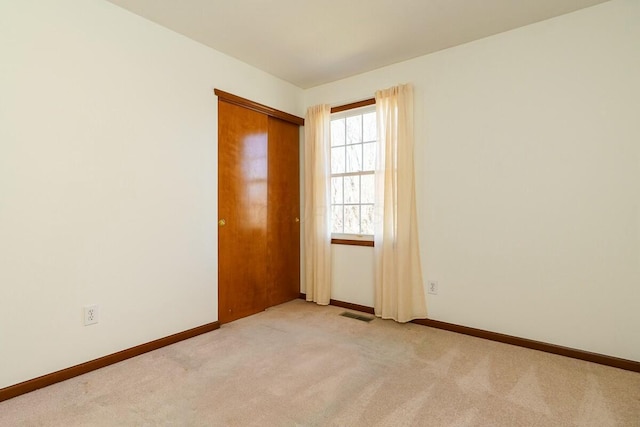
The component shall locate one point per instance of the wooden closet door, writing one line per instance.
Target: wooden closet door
(242, 211)
(283, 235)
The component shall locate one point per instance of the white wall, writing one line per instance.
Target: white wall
(528, 179)
(352, 274)
(108, 180)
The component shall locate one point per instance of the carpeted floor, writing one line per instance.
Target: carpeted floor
(300, 364)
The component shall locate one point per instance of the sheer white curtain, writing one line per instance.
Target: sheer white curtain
(399, 292)
(317, 204)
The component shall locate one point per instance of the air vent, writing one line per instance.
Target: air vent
(356, 316)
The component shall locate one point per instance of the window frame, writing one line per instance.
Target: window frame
(347, 110)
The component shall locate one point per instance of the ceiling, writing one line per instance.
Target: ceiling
(309, 43)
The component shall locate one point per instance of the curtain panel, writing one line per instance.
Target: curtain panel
(399, 292)
(317, 204)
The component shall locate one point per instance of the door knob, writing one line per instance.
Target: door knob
(222, 222)
(297, 219)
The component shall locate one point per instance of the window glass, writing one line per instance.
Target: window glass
(354, 129)
(337, 160)
(369, 127)
(337, 132)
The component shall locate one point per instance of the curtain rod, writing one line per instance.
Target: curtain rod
(353, 105)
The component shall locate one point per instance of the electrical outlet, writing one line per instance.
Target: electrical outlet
(433, 287)
(91, 314)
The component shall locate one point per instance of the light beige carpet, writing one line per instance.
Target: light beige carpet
(300, 364)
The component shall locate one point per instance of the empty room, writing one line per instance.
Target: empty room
(340, 213)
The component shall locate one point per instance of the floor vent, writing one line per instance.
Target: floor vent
(356, 316)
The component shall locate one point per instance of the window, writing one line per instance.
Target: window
(353, 152)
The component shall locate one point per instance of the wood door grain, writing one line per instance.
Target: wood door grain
(242, 205)
(283, 235)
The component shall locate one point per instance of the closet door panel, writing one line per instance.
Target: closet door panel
(283, 236)
(242, 211)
